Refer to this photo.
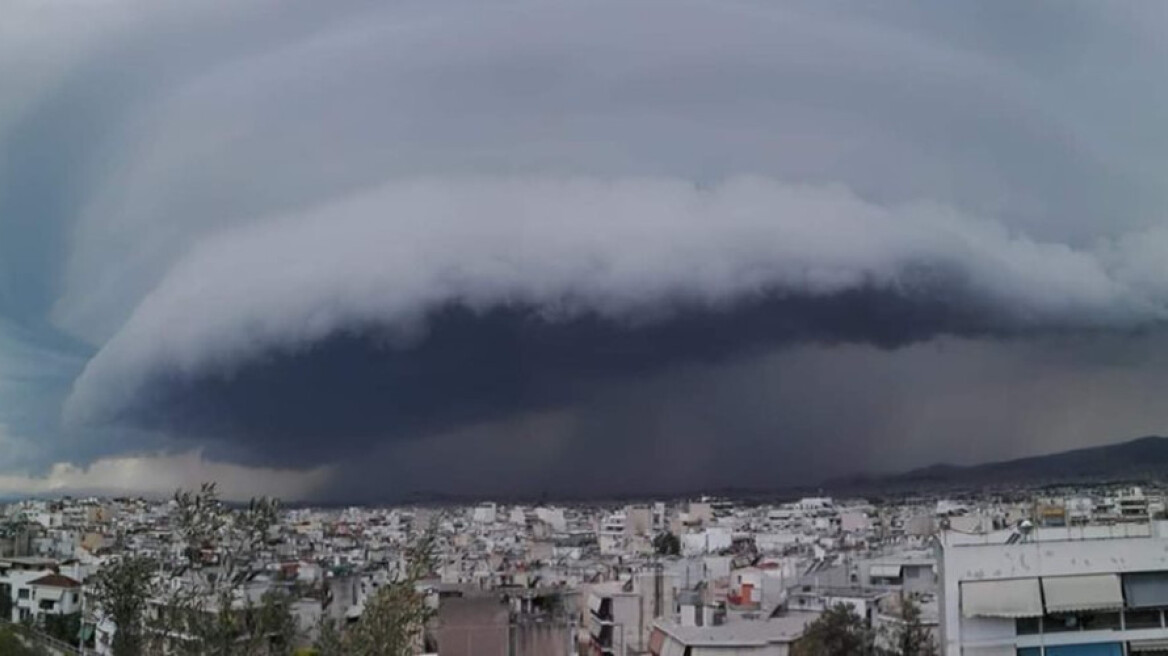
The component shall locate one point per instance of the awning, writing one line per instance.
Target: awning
(1074, 593)
(1148, 645)
(1146, 589)
(1004, 598)
(54, 594)
(884, 571)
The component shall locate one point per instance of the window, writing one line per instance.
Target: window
(1099, 621)
(1142, 619)
(1060, 623)
(23, 594)
(1028, 625)
(47, 604)
(1087, 621)
(76, 598)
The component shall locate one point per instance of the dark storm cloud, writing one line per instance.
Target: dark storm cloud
(348, 392)
(794, 417)
(656, 269)
(254, 224)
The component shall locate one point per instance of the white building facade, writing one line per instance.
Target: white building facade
(1078, 591)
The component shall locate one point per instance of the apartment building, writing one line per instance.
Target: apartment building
(1072, 591)
(622, 613)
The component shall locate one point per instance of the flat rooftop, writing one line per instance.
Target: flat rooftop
(745, 633)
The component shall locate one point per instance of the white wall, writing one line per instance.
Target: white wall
(973, 562)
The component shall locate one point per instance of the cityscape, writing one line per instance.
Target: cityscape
(583, 328)
(1064, 568)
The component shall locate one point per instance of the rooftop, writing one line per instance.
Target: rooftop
(747, 633)
(56, 581)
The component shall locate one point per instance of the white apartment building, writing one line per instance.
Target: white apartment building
(485, 513)
(1075, 591)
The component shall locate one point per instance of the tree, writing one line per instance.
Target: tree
(11, 644)
(5, 602)
(211, 613)
(837, 632)
(123, 590)
(394, 619)
(667, 544)
(217, 616)
(909, 637)
(66, 628)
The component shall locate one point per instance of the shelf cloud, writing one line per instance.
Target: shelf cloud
(435, 301)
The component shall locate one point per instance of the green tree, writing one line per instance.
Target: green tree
(909, 637)
(667, 544)
(123, 589)
(65, 628)
(839, 631)
(394, 619)
(12, 644)
(5, 602)
(220, 618)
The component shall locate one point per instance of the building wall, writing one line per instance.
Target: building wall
(18, 581)
(1037, 559)
(473, 626)
(919, 578)
(983, 629)
(542, 639)
(638, 520)
(628, 622)
(656, 601)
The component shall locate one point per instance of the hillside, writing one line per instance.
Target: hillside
(1146, 457)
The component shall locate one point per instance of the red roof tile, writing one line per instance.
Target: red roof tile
(56, 581)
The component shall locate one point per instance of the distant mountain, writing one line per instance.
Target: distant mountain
(1146, 457)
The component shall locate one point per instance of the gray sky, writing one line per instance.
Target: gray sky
(352, 249)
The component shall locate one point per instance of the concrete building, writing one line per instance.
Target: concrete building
(698, 513)
(914, 575)
(52, 594)
(485, 513)
(1132, 505)
(621, 614)
(770, 637)
(710, 540)
(1075, 591)
(638, 521)
(862, 601)
(473, 625)
(16, 578)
